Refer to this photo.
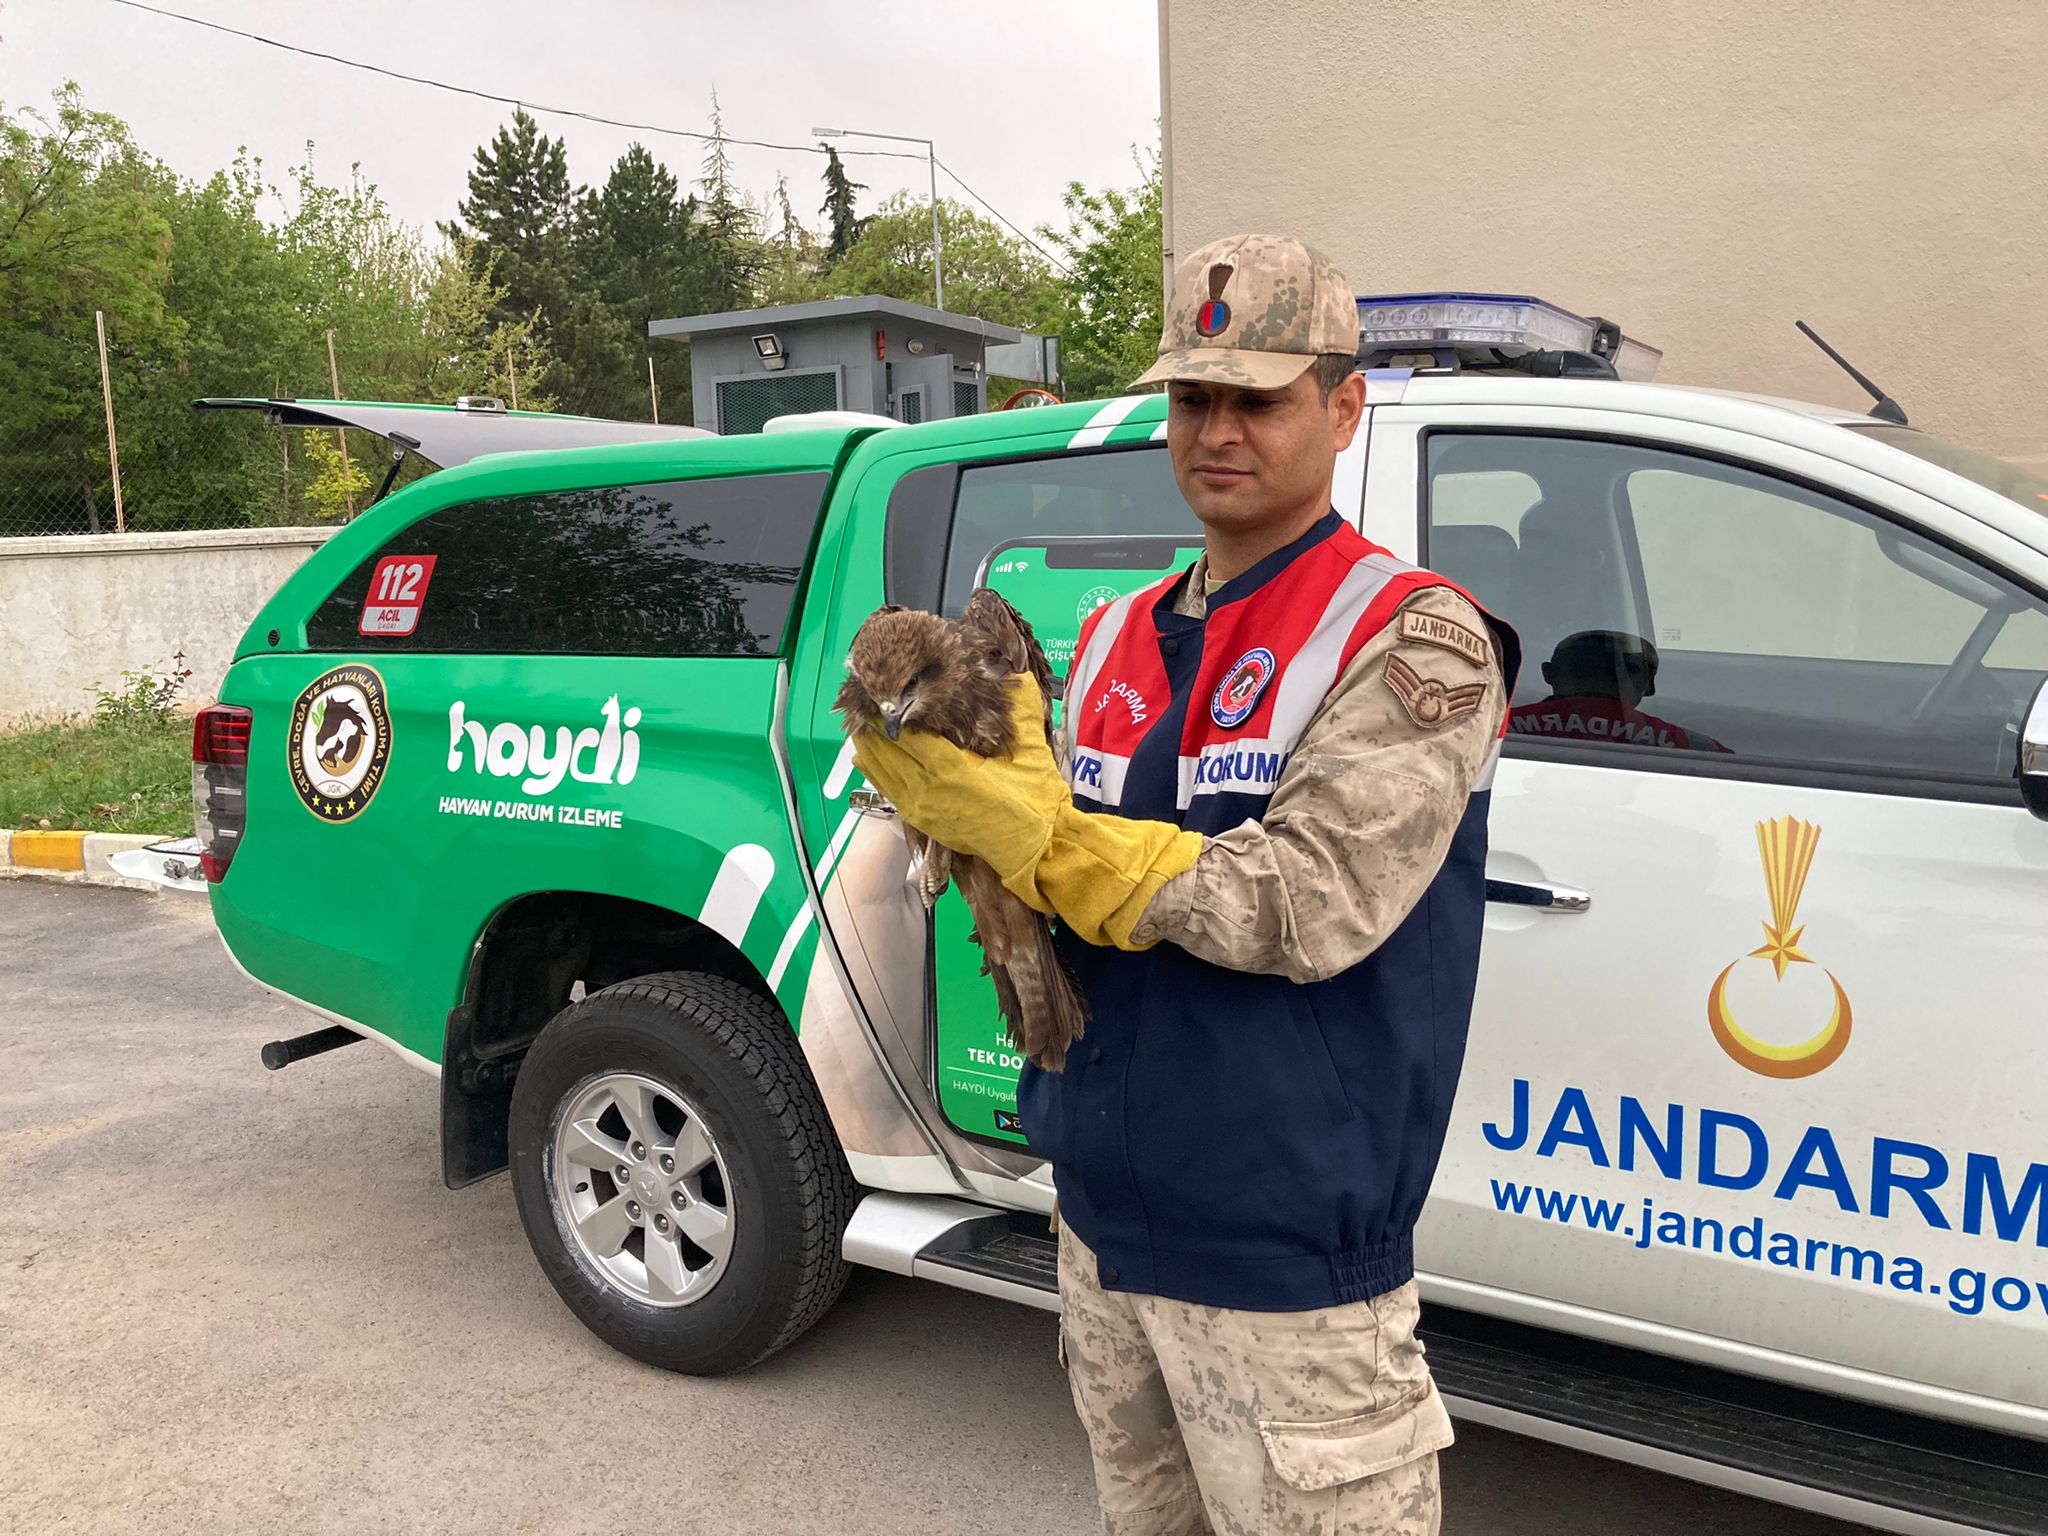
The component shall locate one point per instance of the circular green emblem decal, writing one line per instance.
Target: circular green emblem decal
(339, 742)
(1094, 598)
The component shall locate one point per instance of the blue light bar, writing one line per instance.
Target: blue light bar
(1514, 323)
(1484, 330)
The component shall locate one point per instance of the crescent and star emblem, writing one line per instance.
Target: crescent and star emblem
(1787, 845)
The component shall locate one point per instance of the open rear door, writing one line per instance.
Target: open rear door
(447, 435)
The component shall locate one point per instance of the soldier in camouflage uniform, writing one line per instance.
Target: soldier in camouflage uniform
(1268, 862)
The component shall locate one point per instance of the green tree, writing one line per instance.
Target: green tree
(640, 256)
(789, 274)
(239, 326)
(218, 286)
(734, 257)
(517, 215)
(451, 344)
(989, 271)
(79, 231)
(838, 209)
(1112, 304)
(333, 488)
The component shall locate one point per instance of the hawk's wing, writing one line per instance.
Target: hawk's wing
(998, 632)
(1040, 1002)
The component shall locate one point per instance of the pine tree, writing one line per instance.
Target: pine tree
(723, 215)
(791, 233)
(642, 257)
(838, 207)
(518, 215)
(635, 235)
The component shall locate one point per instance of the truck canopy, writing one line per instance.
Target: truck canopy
(448, 435)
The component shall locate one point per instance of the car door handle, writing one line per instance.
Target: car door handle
(868, 801)
(1538, 893)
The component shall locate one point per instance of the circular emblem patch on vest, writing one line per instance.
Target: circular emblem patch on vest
(1238, 694)
(339, 741)
(1213, 318)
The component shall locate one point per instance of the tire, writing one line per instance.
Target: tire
(723, 1053)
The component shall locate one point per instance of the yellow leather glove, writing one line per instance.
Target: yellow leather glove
(1098, 873)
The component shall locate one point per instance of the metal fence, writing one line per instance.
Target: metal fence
(215, 470)
(112, 459)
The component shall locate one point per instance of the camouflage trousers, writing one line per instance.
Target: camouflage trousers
(1204, 1419)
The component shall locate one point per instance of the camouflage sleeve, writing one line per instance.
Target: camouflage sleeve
(1364, 811)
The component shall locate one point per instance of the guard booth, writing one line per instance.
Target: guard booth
(882, 356)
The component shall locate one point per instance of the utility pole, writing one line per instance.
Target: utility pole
(653, 394)
(99, 319)
(512, 374)
(348, 483)
(931, 156)
(285, 438)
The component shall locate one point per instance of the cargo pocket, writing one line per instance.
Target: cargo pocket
(1332, 1452)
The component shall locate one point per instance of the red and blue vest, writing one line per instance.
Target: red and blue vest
(1222, 1137)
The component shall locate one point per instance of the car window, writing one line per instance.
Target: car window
(1115, 494)
(688, 568)
(1674, 603)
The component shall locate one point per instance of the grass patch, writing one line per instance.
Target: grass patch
(131, 774)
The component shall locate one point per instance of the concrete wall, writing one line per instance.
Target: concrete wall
(1704, 174)
(81, 610)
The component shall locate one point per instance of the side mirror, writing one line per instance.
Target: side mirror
(2034, 755)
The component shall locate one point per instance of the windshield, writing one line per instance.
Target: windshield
(2009, 480)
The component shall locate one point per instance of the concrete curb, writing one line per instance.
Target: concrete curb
(80, 857)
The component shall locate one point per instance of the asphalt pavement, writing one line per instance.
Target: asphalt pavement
(235, 1300)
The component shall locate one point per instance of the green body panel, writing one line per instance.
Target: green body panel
(976, 1072)
(374, 919)
(977, 1068)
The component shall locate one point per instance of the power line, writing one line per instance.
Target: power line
(592, 117)
(1059, 265)
(510, 101)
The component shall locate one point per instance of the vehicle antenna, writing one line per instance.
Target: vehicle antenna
(1886, 409)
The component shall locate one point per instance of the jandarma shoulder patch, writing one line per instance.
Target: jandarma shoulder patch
(1430, 702)
(1448, 633)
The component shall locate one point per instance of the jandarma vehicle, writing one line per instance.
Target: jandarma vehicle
(531, 774)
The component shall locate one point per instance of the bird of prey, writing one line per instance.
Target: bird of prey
(916, 671)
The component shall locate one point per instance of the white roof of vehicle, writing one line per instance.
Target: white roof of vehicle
(1682, 400)
(1821, 429)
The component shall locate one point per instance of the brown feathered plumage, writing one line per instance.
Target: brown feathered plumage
(916, 671)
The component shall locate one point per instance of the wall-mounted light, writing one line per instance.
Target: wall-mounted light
(914, 346)
(768, 347)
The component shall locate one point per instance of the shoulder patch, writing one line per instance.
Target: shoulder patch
(1429, 702)
(1448, 633)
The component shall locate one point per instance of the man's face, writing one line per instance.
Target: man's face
(1248, 457)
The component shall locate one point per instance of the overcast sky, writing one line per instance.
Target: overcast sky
(1021, 98)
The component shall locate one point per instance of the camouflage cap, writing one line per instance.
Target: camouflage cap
(1254, 311)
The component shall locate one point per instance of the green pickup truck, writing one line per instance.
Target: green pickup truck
(531, 775)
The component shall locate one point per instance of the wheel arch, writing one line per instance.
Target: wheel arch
(536, 954)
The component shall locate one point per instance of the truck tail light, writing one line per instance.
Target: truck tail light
(220, 782)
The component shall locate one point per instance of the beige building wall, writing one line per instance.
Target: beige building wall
(1703, 173)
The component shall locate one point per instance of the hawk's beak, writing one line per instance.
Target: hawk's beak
(892, 726)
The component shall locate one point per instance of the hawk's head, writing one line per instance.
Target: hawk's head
(906, 670)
